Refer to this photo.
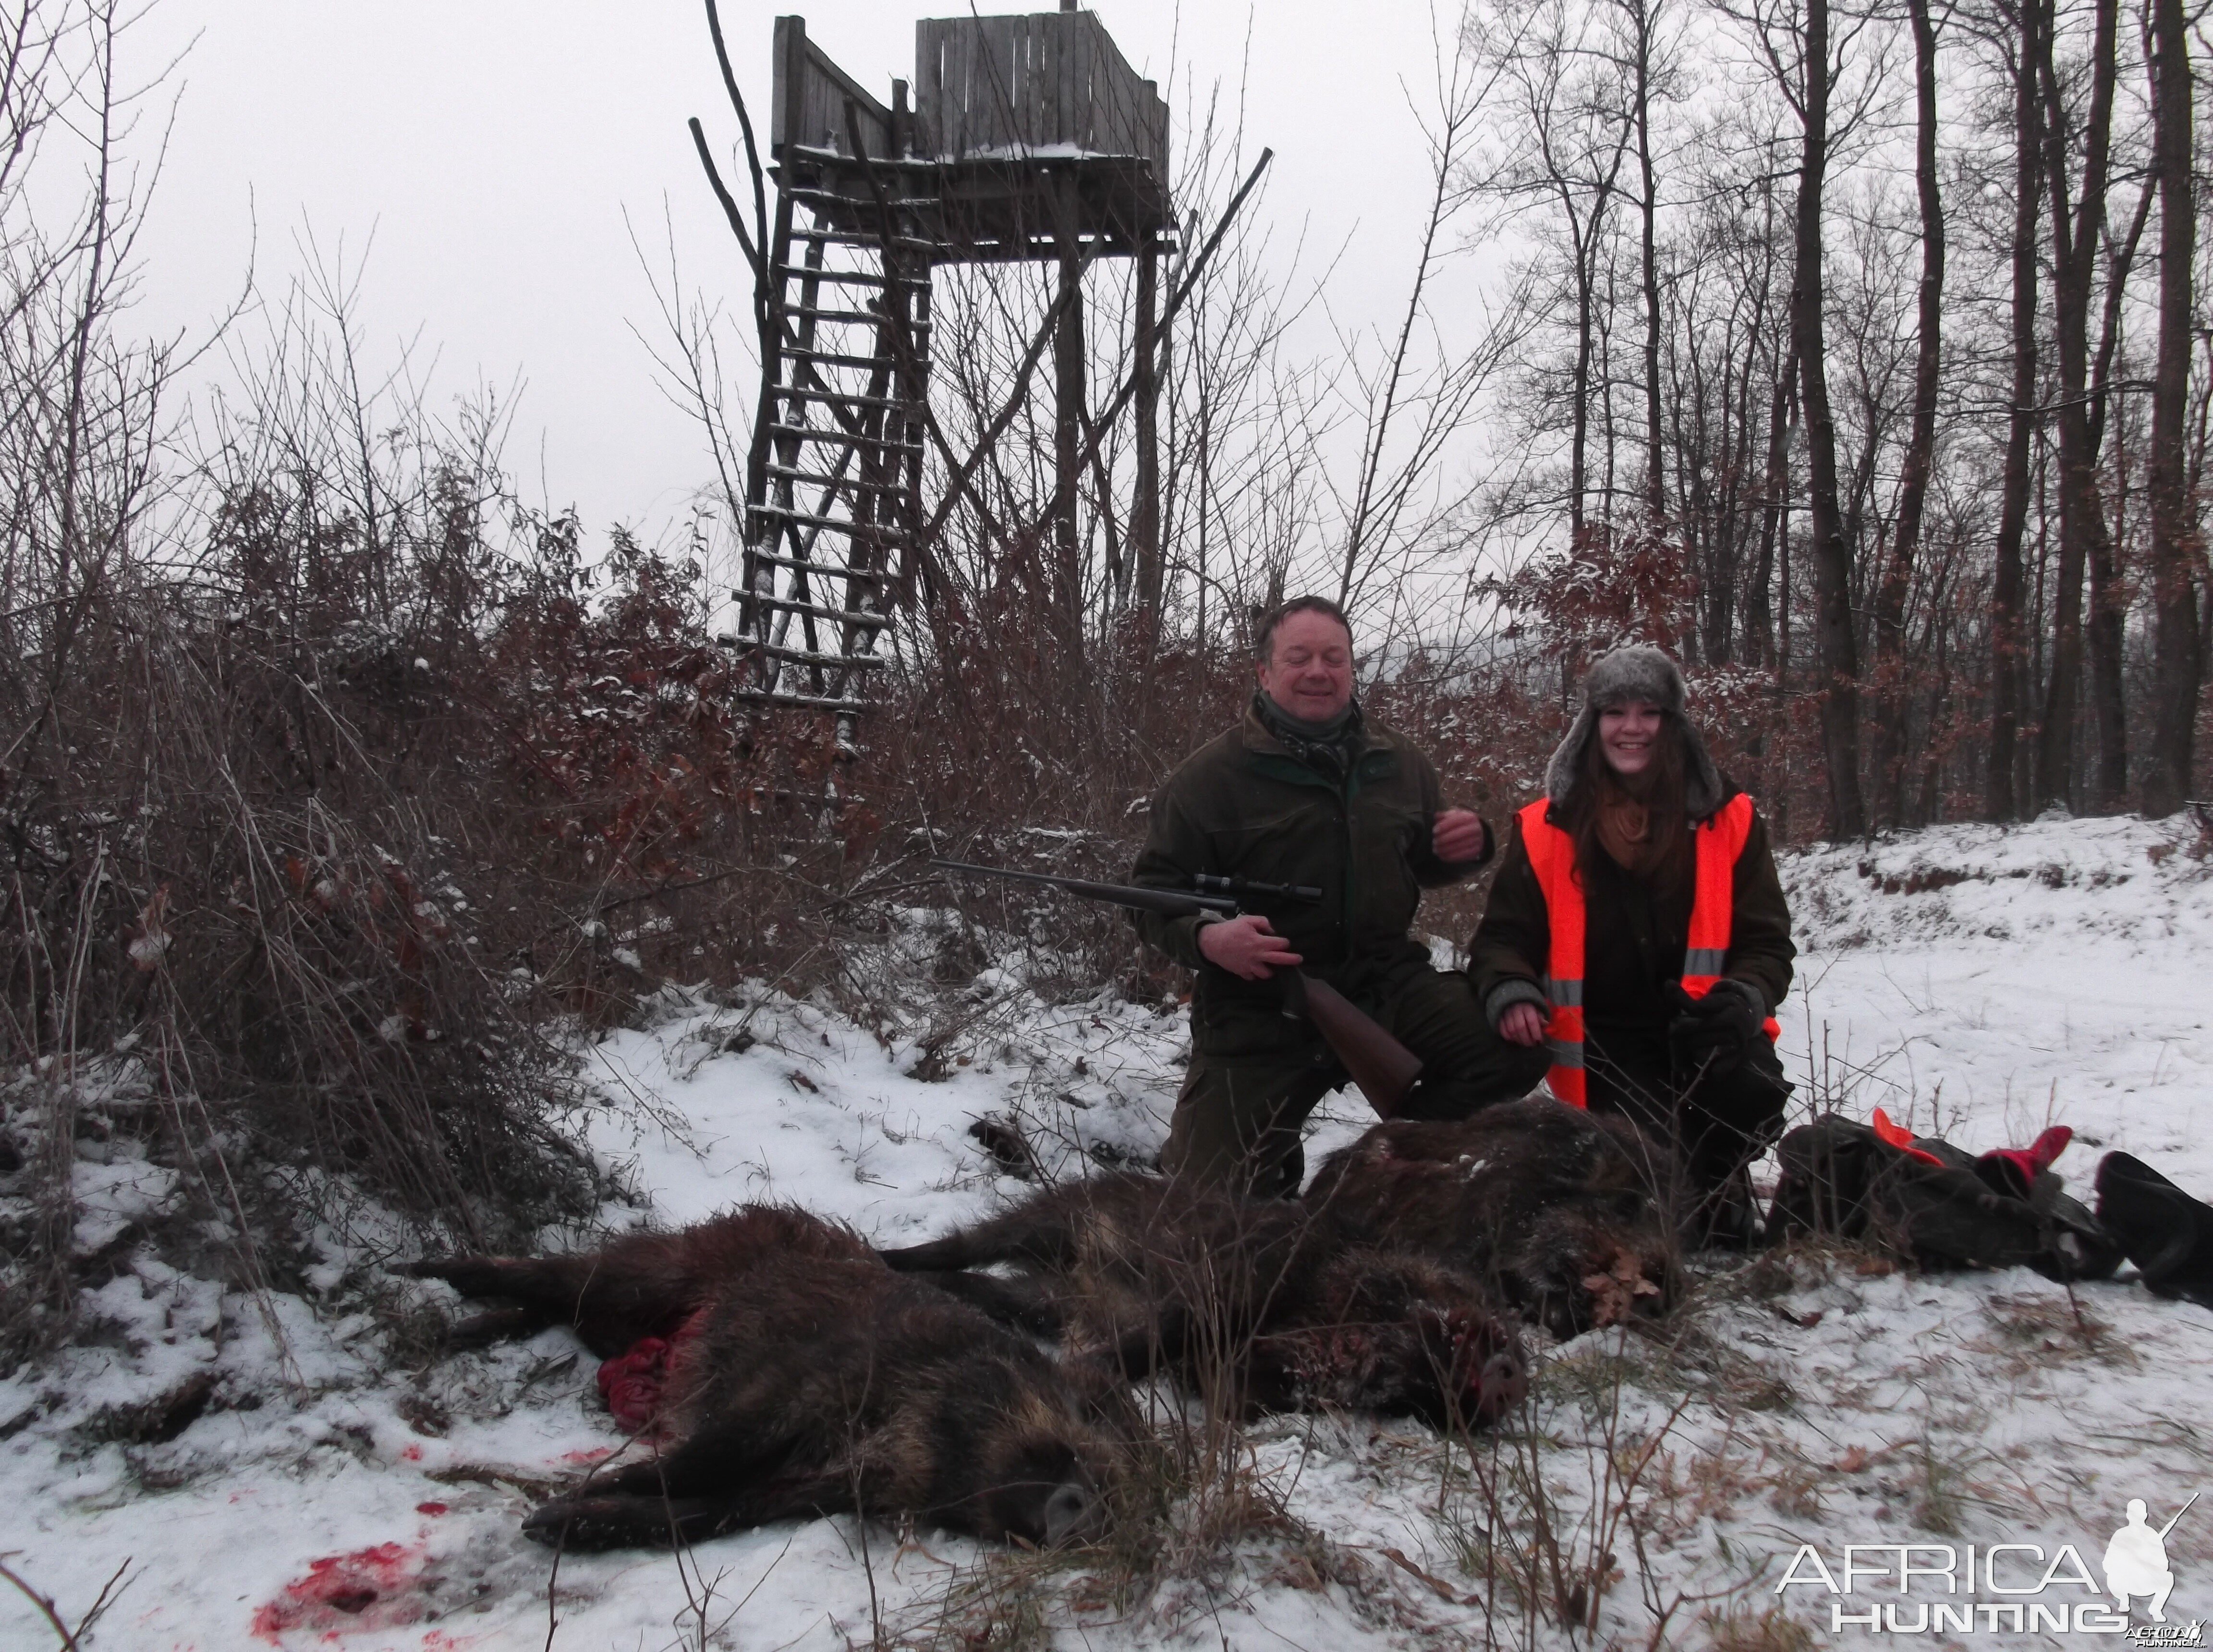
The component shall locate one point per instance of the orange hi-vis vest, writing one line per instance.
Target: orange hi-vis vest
(1719, 839)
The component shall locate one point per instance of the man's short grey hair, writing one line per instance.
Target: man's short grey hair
(1264, 628)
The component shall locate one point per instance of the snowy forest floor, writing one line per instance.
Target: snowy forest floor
(276, 1471)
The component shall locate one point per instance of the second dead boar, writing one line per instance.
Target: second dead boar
(1570, 1215)
(1256, 1300)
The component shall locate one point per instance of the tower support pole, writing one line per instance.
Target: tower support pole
(1068, 420)
(1145, 513)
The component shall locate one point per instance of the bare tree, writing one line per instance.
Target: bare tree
(1648, 76)
(1921, 445)
(1429, 397)
(1560, 144)
(2179, 668)
(1806, 67)
(2076, 232)
(2021, 25)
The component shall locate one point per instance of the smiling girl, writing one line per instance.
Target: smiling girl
(1637, 934)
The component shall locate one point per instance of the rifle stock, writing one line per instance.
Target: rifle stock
(1383, 1069)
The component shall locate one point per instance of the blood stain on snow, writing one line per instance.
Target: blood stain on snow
(412, 1455)
(597, 1454)
(431, 1508)
(370, 1588)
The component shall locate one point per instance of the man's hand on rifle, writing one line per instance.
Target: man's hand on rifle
(1245, 946)
(1458, 837)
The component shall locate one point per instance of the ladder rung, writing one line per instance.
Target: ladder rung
(801, 657)
(858, 238)
(850, 277)
(851, 400)
(815, 479)
(870, 317)
(921, 363)
(875, 532)
(816, 610)
(827, 569)
(811, 701)
(815, 433)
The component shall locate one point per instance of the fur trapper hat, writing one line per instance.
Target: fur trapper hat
(1635, 672)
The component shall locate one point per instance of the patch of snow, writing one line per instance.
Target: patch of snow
(335, 1492)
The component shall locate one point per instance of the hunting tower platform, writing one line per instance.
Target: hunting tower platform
(1027, 138)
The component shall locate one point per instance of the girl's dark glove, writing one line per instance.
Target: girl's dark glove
(1712, 1035)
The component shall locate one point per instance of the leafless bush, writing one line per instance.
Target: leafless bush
(265, 879)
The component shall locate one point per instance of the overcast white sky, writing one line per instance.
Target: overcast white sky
(491, 147)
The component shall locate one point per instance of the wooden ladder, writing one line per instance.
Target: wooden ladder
(834, 477)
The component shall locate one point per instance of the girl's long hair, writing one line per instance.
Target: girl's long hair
(1662, 789)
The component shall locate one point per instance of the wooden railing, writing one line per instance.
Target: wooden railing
(1014, 86)
(811, 93)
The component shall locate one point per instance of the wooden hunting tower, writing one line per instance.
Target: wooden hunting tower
(1027, 138)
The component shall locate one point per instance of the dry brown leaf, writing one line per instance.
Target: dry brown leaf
(150, 939)
(1615, 1292)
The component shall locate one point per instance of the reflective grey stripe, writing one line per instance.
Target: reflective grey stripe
(1705, 961)
(1564, 995)
(1566, 1053)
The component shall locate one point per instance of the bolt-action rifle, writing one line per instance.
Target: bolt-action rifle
(1383, 1069)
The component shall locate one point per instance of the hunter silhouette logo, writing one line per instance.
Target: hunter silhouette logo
(2135, 1560)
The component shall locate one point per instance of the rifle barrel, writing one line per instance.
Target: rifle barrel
(1168, 903)
(2178, 1513)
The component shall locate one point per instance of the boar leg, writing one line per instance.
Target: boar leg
(1043, 1235)
(619, 1522)
(607, 1305)
(1024, 1302)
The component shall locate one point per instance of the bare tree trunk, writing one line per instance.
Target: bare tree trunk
(1642, 14)
(1921, 445)
(2106, 631)
(2179, 667)
(2082, 535)
(1579, 438)
(1722, 523)
(2109, 600)
(2008, 643)
(1940, 704)
(1774, 521)
(1586, 239)
(1836, 648)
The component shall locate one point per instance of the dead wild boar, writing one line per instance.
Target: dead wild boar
(1566, 1212)
(1385, 1332)
(638, 1285)
(809, 1381)
(1259, 1297)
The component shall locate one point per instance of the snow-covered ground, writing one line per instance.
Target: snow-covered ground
(329, 1482)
